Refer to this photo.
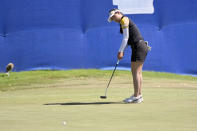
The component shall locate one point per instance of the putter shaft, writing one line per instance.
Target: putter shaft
(111, 78)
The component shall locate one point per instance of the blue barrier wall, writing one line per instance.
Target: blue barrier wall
(70, 34)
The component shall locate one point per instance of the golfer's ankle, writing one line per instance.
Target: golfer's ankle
(135, 95)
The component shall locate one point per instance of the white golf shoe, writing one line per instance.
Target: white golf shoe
(134, 99)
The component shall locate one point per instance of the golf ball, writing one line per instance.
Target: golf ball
(64, 123)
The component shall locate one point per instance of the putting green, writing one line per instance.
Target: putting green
(73, 104)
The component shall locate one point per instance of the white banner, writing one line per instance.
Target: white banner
(135, 6)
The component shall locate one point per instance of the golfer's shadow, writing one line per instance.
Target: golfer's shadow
(84, 103)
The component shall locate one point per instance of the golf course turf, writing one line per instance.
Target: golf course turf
(70, 100)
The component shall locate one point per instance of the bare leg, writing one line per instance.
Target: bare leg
(141, 79)
(136, 68)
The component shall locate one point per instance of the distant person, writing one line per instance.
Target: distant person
(133, 38)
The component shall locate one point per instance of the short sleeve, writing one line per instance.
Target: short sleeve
(124, 22)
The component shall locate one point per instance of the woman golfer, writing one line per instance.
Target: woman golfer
(133, 38)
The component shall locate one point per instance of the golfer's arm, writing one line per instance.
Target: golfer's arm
(124, 40)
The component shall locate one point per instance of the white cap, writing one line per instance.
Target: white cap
(112, 13)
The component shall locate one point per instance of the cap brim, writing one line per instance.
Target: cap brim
(109, 18)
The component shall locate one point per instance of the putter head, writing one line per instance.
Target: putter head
(103, 97)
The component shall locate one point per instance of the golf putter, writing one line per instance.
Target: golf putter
(105, 96)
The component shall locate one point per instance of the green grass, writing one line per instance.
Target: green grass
(27, 80)
(43, 100)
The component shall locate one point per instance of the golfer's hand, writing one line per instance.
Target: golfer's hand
(120, 55)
